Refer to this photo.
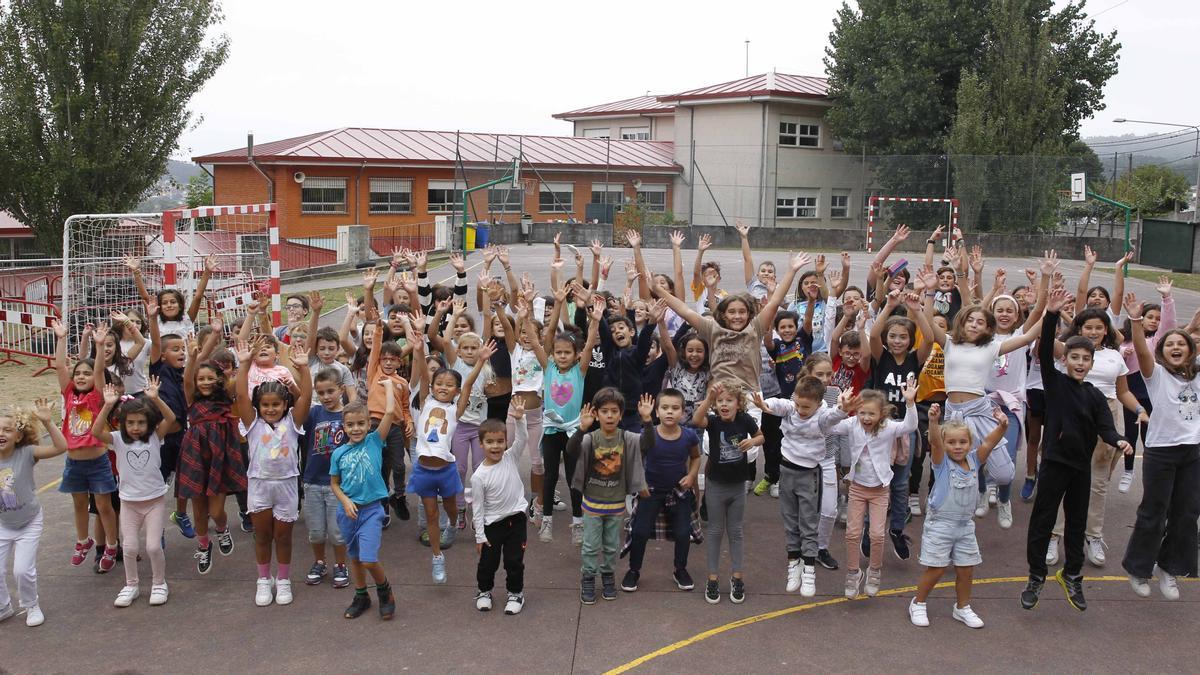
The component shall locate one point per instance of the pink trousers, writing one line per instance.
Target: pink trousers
(149, 515)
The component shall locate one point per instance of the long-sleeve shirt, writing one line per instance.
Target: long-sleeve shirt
(871, 454)
(1076, 412)
(496, 489)
(804, 438)
(607, 468)
(624, 365)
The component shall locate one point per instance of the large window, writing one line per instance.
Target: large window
(597, 133)
(556, 198)
(504, 199)
(391, 195)
(635, 133)
(794, 133)
(323, 195)
(653, 198)
(608, 193)
(839, 204)
(796, 203)
(445, 196)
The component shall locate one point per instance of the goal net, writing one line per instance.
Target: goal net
(876, 203)
(172, 247)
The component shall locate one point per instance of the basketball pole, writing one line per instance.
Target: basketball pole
(1128, 220)
(512, 177)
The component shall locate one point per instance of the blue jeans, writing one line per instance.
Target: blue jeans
(1012, 437)
(898, 504)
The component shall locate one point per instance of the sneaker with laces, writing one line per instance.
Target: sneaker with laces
(608, 586)
(127, 595)
(159, 594)
(559, 505)
(247, 522)
(203, 558)
(184, 524)
(993, 496)
(1094, 548)
(981, 507)
(439, 569)
(587, 589)
(793, 575)
(682, 579)
(712, 592)
(534, 511)
(874, 579)
(225, 542)
(515, 603)
(967, 616)
(1052, 551)
(316, 573)
(402, 508)
(360, 604)
(774, 491)
(262, 592)
(629, 582)
(341, 576)
(762, 487)
(34, 617)
(1004, 515)
(483, 601)
(108, 560)
(423, 537)
(577, 534)
(449, 534)
(900, 544)
(81, 552)
(546, 531)
(283, 591)
(1027, 489)
(1073, 587)
(826, 559)
(387, 601)
(737, 590)
(1126, 482)
(7, 612)
(853, 579)
(914, 504)
(1033, 588)
(808, 581)
(918, 614)
(1167, 585)
(1140, 586)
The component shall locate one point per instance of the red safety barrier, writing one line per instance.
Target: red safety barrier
(25, 331)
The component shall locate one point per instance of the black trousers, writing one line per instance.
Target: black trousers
(1165, 531)
(1132, 428)
(1070, 487)
(554, 454)
(642, 529)
(505, 541)
(772, 446)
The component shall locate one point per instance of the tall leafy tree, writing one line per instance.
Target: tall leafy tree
(93, 99)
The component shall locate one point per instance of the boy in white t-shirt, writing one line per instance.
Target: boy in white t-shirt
(498, 511)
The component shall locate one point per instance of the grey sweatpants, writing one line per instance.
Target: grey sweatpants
(726, 504)
(799, 504)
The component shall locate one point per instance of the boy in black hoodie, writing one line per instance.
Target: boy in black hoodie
(625, 351)
(1076, 413)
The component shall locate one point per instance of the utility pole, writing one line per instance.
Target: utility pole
(747, 58)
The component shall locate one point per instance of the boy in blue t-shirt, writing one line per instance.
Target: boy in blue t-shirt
(671, 466)
(322, 435)
(356, 479)
(788, 352)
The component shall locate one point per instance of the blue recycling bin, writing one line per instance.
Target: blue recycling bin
(482, 232)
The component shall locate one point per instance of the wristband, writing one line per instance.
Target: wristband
(1136, 318)
(1139, 410)
(931, 241)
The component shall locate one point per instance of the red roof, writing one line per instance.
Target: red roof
(437, 148)
(11, 228)
(767, 84)
(639, 105)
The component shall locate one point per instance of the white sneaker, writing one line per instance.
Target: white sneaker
(853, 579)
(283, 591)
(917, 614)
(914, 507)
(159, 594)
(967, 616)
(577, 534)
(993, 497)
(126, 597)
(34, 616)
(874, 579)
(774, 490)
(808, 581)
(262, 592)
(1126, 482)
(1004, 514)
(516, 602)
(1052, 551)
(1094, 548)
(981, 507)
(546, 531)
(793, 575)
(1167, 585)
(483, 601)
(7, 612)
(1140, 586)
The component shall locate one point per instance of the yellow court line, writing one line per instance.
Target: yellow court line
(49, 486)
(712, 632)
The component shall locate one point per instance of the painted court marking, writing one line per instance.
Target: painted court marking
(740, 623)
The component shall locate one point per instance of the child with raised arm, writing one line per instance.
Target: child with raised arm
(498, 514)
(168, 355)
(948, 537)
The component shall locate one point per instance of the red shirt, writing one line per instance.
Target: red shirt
(845, 377)
(79, 411)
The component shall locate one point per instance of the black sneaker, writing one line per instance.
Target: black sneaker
(341, 576)
(120, 553)
(629, 582)
(900, 543)
(315, 573)
(400, 506)
(683, 580)
(387, 601)
(712, 592)
(225, 542)
(609, 586)
(1073, 587)
(587, 589)
(360, 604)
(737, 590)
(203, 558)
(1033, 588)
(247, 524)
(826, 560)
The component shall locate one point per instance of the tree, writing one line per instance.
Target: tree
(1152, 189)
(93, 99)
(199, 191)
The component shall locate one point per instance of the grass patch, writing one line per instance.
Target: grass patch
(1183, 280)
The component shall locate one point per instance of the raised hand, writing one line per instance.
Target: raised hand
(977, 259)
(606, 264)
(457, 262)
(489, 254)
(1049, 262)
(517, 407)
(151, 310)
(937, 232)
(1164, 286)
(368, 279)
(587, 414)
(645, 406)
(742, 228)
(657, 310)
(820, 264)
(910, 390)
(211, 264)
(1089, 256)
(935, 411)
(99, 333)
(901, 233)
(59, 328)
(316, 301)
(134, 263)
(502, 255)
(1056, 300)
(1031, 275)
(1132, 307)
(634, 238)
(928, 279)
(150, 391)
(43, 409)
(677, 239)
(999, 416)
(894, 298)
(299, 355)
(598, 308)
(487, 350)
(421, 258)
(243, 351)
(408, 282)
(799, 260)
(597, 248)
(111, 396)
(704, 243)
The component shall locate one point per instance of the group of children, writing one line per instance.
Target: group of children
(653, 399)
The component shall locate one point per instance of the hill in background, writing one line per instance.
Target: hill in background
(169, 193)
(1172, 149)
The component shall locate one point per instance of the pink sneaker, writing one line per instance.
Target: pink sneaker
(81, 552)
(108, 560)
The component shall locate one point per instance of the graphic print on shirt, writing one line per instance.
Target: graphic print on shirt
(327, 437)
(1189, 404)
(941, 302)
(730, 452)
(436, 424)
(606, 461)
(561, 392)
(1000, 365)
(79, 422)
(8, 495)
(137, 459)
(356, 467)
(272, 442)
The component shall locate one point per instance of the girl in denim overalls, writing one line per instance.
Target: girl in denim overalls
(949, 534)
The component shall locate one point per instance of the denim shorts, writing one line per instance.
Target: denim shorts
(88, 475)
(949, 541)
(427, 482)
(364, 533)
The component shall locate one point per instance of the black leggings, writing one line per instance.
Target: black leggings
(1131, 429)
(554, 453)
(772, 446)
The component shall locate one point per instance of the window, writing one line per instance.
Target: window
(504, 199)
(839, 204)
(635, 133)
(867, 204)
(556, 197)
(653, 198)
(796, 203)
(610, 193)
(445, 196)
(795, 134)
(323, 195)
(391, 195)
(596, 133)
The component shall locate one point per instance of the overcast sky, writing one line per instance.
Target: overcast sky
(299, 66)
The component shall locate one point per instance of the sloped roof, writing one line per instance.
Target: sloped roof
(11, 228)
(437, 148)
(766, 84)
(638, 105)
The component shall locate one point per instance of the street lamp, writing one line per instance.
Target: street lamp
(1196, 207)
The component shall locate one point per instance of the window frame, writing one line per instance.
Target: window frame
(319, 208)
(372, 205)
(635, 133)
(842, 193)
(796, 209)
(606, 131)
(440, 207)
(799, 131)
(652, 189)
(557, 205)
(506, 206)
